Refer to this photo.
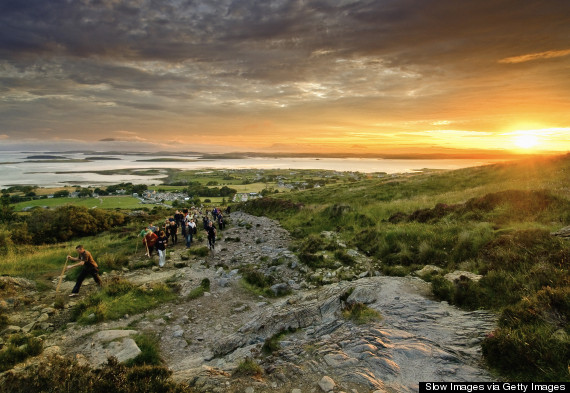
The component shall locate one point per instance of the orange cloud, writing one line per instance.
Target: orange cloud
(535, 56)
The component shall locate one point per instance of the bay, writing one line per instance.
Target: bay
(25, 168)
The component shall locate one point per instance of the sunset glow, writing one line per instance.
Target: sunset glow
(286, 76)
(526, 141)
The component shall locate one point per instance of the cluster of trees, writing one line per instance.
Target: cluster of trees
(83, 192)
(197, 189)
(45, 226)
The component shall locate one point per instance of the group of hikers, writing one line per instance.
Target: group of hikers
(156, 237)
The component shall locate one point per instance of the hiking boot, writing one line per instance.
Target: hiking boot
(73, 294)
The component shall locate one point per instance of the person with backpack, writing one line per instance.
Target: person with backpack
(211, 231)
(161, 244)
(90, 267)
(221, 223)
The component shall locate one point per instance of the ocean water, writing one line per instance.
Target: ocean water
(17, 169)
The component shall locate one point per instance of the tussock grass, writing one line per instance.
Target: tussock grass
(248, 367)
(118, 298)
(57, 374)
(360, 314)
(199, 290)
(17, 349)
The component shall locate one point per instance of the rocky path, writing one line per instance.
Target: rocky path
(203, 340)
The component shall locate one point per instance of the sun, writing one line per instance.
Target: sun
(526, 140)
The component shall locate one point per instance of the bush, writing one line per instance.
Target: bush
(200, 290)
(530, 352)
(344, 258)
(248, 367)
(18, 348)
(359, 313)
(150, 351)
(256, 278)
(59, 374)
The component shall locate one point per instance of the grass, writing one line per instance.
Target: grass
(118, 298)
(271, 344)
(493, 220)
(199, 251)
(17, 349)
(360, 314)
(150, 351)
(248, 367)
(105, 202)
(61, 374)
(110, 250)
(199, 290)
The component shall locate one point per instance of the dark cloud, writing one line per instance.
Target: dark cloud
(137, 59)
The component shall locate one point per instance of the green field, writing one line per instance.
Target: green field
(106, 202)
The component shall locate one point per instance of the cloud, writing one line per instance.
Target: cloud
(4, 136)
(535, 56)
(207, 68)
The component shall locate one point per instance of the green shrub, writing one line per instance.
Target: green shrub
(529, 352)
(150, 351)
(312, 244)
(18, 348)
(199, 290)
(59, 374)
(256, 278)
(344, 258)
(271, 344)
(248, 367)
(360, 314)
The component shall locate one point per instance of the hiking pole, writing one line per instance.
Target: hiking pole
(146, 245)
(61, 276)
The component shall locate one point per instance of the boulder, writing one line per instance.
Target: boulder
(327, 384)
(460, 275)
(279, 289)
(428, 269)
(564, 232)
(365, 295)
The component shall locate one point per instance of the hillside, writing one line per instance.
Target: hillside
(347, 284)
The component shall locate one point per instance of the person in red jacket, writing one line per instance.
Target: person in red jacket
(150, 240)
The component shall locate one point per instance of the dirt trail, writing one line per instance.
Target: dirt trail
(203, 340)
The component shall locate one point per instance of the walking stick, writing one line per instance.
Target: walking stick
(137, 245)
(61, 276)
(146, 245)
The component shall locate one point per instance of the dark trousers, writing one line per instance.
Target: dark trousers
(84, 273)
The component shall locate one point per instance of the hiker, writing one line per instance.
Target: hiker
(211, 230)
(228, 209)
(221, 223)
(161, 244)
(150, 240)
(190, 231)
(90, 267)
(144, 232)
(174, 232)
(179, 218)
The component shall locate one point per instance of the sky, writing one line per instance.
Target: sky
(362, 77)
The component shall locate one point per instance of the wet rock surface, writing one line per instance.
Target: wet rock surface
(204, 340)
